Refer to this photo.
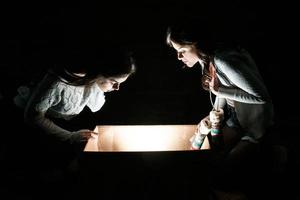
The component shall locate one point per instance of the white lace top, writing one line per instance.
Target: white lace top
(54, 98)
(64, 101)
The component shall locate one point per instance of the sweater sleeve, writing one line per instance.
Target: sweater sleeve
(46, 95)
(245, 83)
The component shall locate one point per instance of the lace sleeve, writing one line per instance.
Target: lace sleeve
(46, 95)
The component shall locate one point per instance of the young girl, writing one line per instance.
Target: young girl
(230, 73)
(63, 93)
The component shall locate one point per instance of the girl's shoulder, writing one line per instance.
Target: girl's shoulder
(227, 53)
(51, 83)
(231, 56)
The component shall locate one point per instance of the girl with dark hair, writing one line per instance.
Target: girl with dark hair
(63, 93)
(67, 89)
(230, 73)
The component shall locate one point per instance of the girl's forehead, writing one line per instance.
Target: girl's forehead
(119, 79)
(176, 45)
(179, 46)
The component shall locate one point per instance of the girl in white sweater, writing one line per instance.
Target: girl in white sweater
(66, 89)
(53, 105)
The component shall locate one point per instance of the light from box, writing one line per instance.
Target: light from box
(146, 138)
(142, 138)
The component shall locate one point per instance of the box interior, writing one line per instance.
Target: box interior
(123, 138)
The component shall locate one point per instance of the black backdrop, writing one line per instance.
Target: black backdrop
(34, 35)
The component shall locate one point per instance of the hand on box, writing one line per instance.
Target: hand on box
(83, 135)
(202, 130)
(204, 126)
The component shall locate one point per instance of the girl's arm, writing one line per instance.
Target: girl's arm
(243, 78)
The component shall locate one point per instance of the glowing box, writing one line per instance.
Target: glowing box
(143, 138)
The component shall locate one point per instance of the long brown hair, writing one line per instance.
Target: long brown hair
(192, 33)
(204, 36)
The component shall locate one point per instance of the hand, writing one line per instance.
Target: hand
(87, 134)
(83, 135)
(204, 126)
(216, 116)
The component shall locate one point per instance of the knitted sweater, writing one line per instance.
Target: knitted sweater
(242, 84)
(54, 98)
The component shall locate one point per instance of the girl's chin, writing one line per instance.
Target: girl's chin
(189, 65)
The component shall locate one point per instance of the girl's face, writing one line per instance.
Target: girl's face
(111, 84)
(186, 53)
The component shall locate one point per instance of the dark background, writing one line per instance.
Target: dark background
(35, 35)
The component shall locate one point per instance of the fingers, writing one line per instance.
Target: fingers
(216, 116)
(95, 133)
(206, 122)
(204, 130)
(203, 127)
(87, 134)
(94, 136)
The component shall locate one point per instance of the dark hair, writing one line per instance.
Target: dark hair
(192, 32)
(208, 37)
(204, 36)
(95, 63)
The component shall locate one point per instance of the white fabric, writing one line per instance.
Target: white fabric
(54, 98)
(61, 100)
(242, 84)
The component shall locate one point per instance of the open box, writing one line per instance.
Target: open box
(118, 138)
(138, 161)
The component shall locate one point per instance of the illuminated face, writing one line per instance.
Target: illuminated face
(186, 53)
(111, 84)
